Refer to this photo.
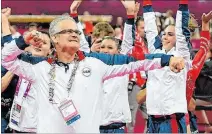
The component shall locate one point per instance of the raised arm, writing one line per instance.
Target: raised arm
(183, 44)
(150, 27)
(10, 61)
(84, 46)
(176, 64)
(12, 50)
(129, 27)
(200, 57)
(5, 13)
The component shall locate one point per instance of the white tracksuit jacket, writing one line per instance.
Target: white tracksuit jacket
(166, 91)
(86, 92)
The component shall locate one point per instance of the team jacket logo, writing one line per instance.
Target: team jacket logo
(86, 71)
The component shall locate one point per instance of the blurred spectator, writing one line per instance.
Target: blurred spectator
(44, 13)
(193, 27)
(14, 31)
(195, 34)
(100, 30)
(65, 14)
(119, 22)
(118, 32)
(88, 24)
(32, 26)
(169, 19)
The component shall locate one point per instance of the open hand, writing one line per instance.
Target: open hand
(129, 6)
(205, 21)
(206, 17)
(74, 6)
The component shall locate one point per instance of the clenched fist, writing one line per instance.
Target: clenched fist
(176, 64)
(34, 38)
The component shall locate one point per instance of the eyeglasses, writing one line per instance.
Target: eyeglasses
(70, 31)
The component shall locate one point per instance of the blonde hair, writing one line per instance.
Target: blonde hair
(102, 29)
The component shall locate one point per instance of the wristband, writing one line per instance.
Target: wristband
(73, 15)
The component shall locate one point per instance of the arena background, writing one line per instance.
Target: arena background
(98, 7)
(106, 7)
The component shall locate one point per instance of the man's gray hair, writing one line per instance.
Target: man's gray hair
(53, 29)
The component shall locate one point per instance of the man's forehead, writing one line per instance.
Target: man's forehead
(67, 24)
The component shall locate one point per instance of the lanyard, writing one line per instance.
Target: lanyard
(20, 81)
(52, 80)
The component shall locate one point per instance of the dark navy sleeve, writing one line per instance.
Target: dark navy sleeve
(124, 59)
(164, 58)
(6, 38)
(19, 41)
(108, 59)
(32, 59)
(3, 71)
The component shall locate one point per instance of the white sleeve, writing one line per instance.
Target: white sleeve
(182, 34)
(128, 37)
(150, 27)
(11, 62)
(84, 46)
(133, 67)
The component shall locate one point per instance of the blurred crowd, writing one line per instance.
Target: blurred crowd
(162, 21)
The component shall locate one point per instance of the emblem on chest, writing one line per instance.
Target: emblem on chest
(86, 71)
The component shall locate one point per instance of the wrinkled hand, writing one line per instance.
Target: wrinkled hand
(74, 6)
(34, 38)
(176, 64)
(96, 45)
(6, 12)
(129, 6)
(205, 21)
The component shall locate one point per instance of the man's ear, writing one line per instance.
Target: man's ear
(54, 39)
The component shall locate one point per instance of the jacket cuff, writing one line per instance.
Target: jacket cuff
(7, 38)
(183, 7)
(75, 17)
(21, 43)
(165, 60)
(147, 9)
(130, 21)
